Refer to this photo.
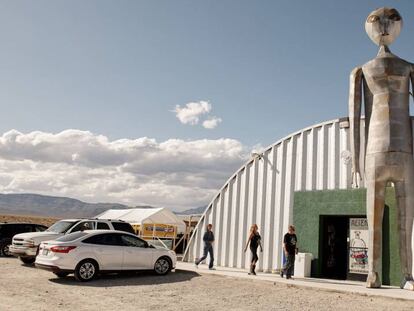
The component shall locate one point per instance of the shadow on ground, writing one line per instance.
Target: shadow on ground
(130, 278)
(322, 281)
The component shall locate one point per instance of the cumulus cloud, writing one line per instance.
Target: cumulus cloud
(211, 123)
(175, 173)
(191, 112)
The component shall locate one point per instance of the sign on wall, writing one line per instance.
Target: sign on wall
(358, 246)
(155, 230)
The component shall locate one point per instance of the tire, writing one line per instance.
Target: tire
(61, 274)
(4, 248)
(162, 266)
(86, 270)
(28, 260)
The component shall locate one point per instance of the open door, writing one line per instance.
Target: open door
(334, 246)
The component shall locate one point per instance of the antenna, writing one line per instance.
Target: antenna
(256, 155)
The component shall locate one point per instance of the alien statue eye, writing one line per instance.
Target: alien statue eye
(395, 17)
(372, 19)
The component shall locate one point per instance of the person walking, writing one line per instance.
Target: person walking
(255, 241)
(208, 239)
(290, 250)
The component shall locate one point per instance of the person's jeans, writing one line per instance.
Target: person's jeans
(208, 249)
(289, 266)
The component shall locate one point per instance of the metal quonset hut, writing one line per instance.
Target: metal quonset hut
(310, 167)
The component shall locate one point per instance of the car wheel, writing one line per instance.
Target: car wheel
(4, 248)
(28, 260)
(61, 274)
(162, 266)
(86, 270)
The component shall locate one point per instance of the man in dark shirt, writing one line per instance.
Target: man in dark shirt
(208, 239)
(290, 248)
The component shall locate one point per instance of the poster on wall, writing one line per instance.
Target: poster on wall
(358, 245)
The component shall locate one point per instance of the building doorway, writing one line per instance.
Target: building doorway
(334, 246)
(342, 257)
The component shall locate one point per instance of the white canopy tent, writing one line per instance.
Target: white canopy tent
(140, 216)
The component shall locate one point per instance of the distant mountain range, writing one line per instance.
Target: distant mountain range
(61, 207)
(193, 211)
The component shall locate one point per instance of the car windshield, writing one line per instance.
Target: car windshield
(72, 236)
(154, 244)
(61, 226)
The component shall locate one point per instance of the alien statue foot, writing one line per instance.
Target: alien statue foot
(373, 280)
(407, 283)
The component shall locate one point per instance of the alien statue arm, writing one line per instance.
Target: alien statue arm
(412, 84)
(412, 78)
(355, 102)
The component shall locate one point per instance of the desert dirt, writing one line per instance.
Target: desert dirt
(47, 221)
(27, 288)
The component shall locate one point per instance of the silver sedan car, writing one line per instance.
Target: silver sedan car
(87, 253)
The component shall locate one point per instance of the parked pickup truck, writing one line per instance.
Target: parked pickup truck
(9, 230)
(26, 245)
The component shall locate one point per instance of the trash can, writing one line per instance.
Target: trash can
(303, 265)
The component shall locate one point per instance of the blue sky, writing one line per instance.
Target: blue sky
(119, 68)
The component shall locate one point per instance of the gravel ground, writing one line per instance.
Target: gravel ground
(28, 288)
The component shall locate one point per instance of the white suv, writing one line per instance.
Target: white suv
(26, 245)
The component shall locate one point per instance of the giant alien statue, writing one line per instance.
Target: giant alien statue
(384, 82)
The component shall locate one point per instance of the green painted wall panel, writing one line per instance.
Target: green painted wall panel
(310, 205)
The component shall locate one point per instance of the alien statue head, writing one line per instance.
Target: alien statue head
(383, 25)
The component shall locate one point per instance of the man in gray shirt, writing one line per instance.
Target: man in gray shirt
(208, 239)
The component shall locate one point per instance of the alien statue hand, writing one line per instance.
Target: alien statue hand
(356, 179)
(355, 171)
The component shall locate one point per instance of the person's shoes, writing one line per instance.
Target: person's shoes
(212, 268)
(288, 277)
(251, 271)
(281, 273)
(196, 265)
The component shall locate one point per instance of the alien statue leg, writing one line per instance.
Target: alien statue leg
(405, 205)
(375, 213)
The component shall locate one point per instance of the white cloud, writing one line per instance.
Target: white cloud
(211, 123)
(175, 173)
(190, 114)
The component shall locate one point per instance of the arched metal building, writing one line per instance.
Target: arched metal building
(262, 192)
